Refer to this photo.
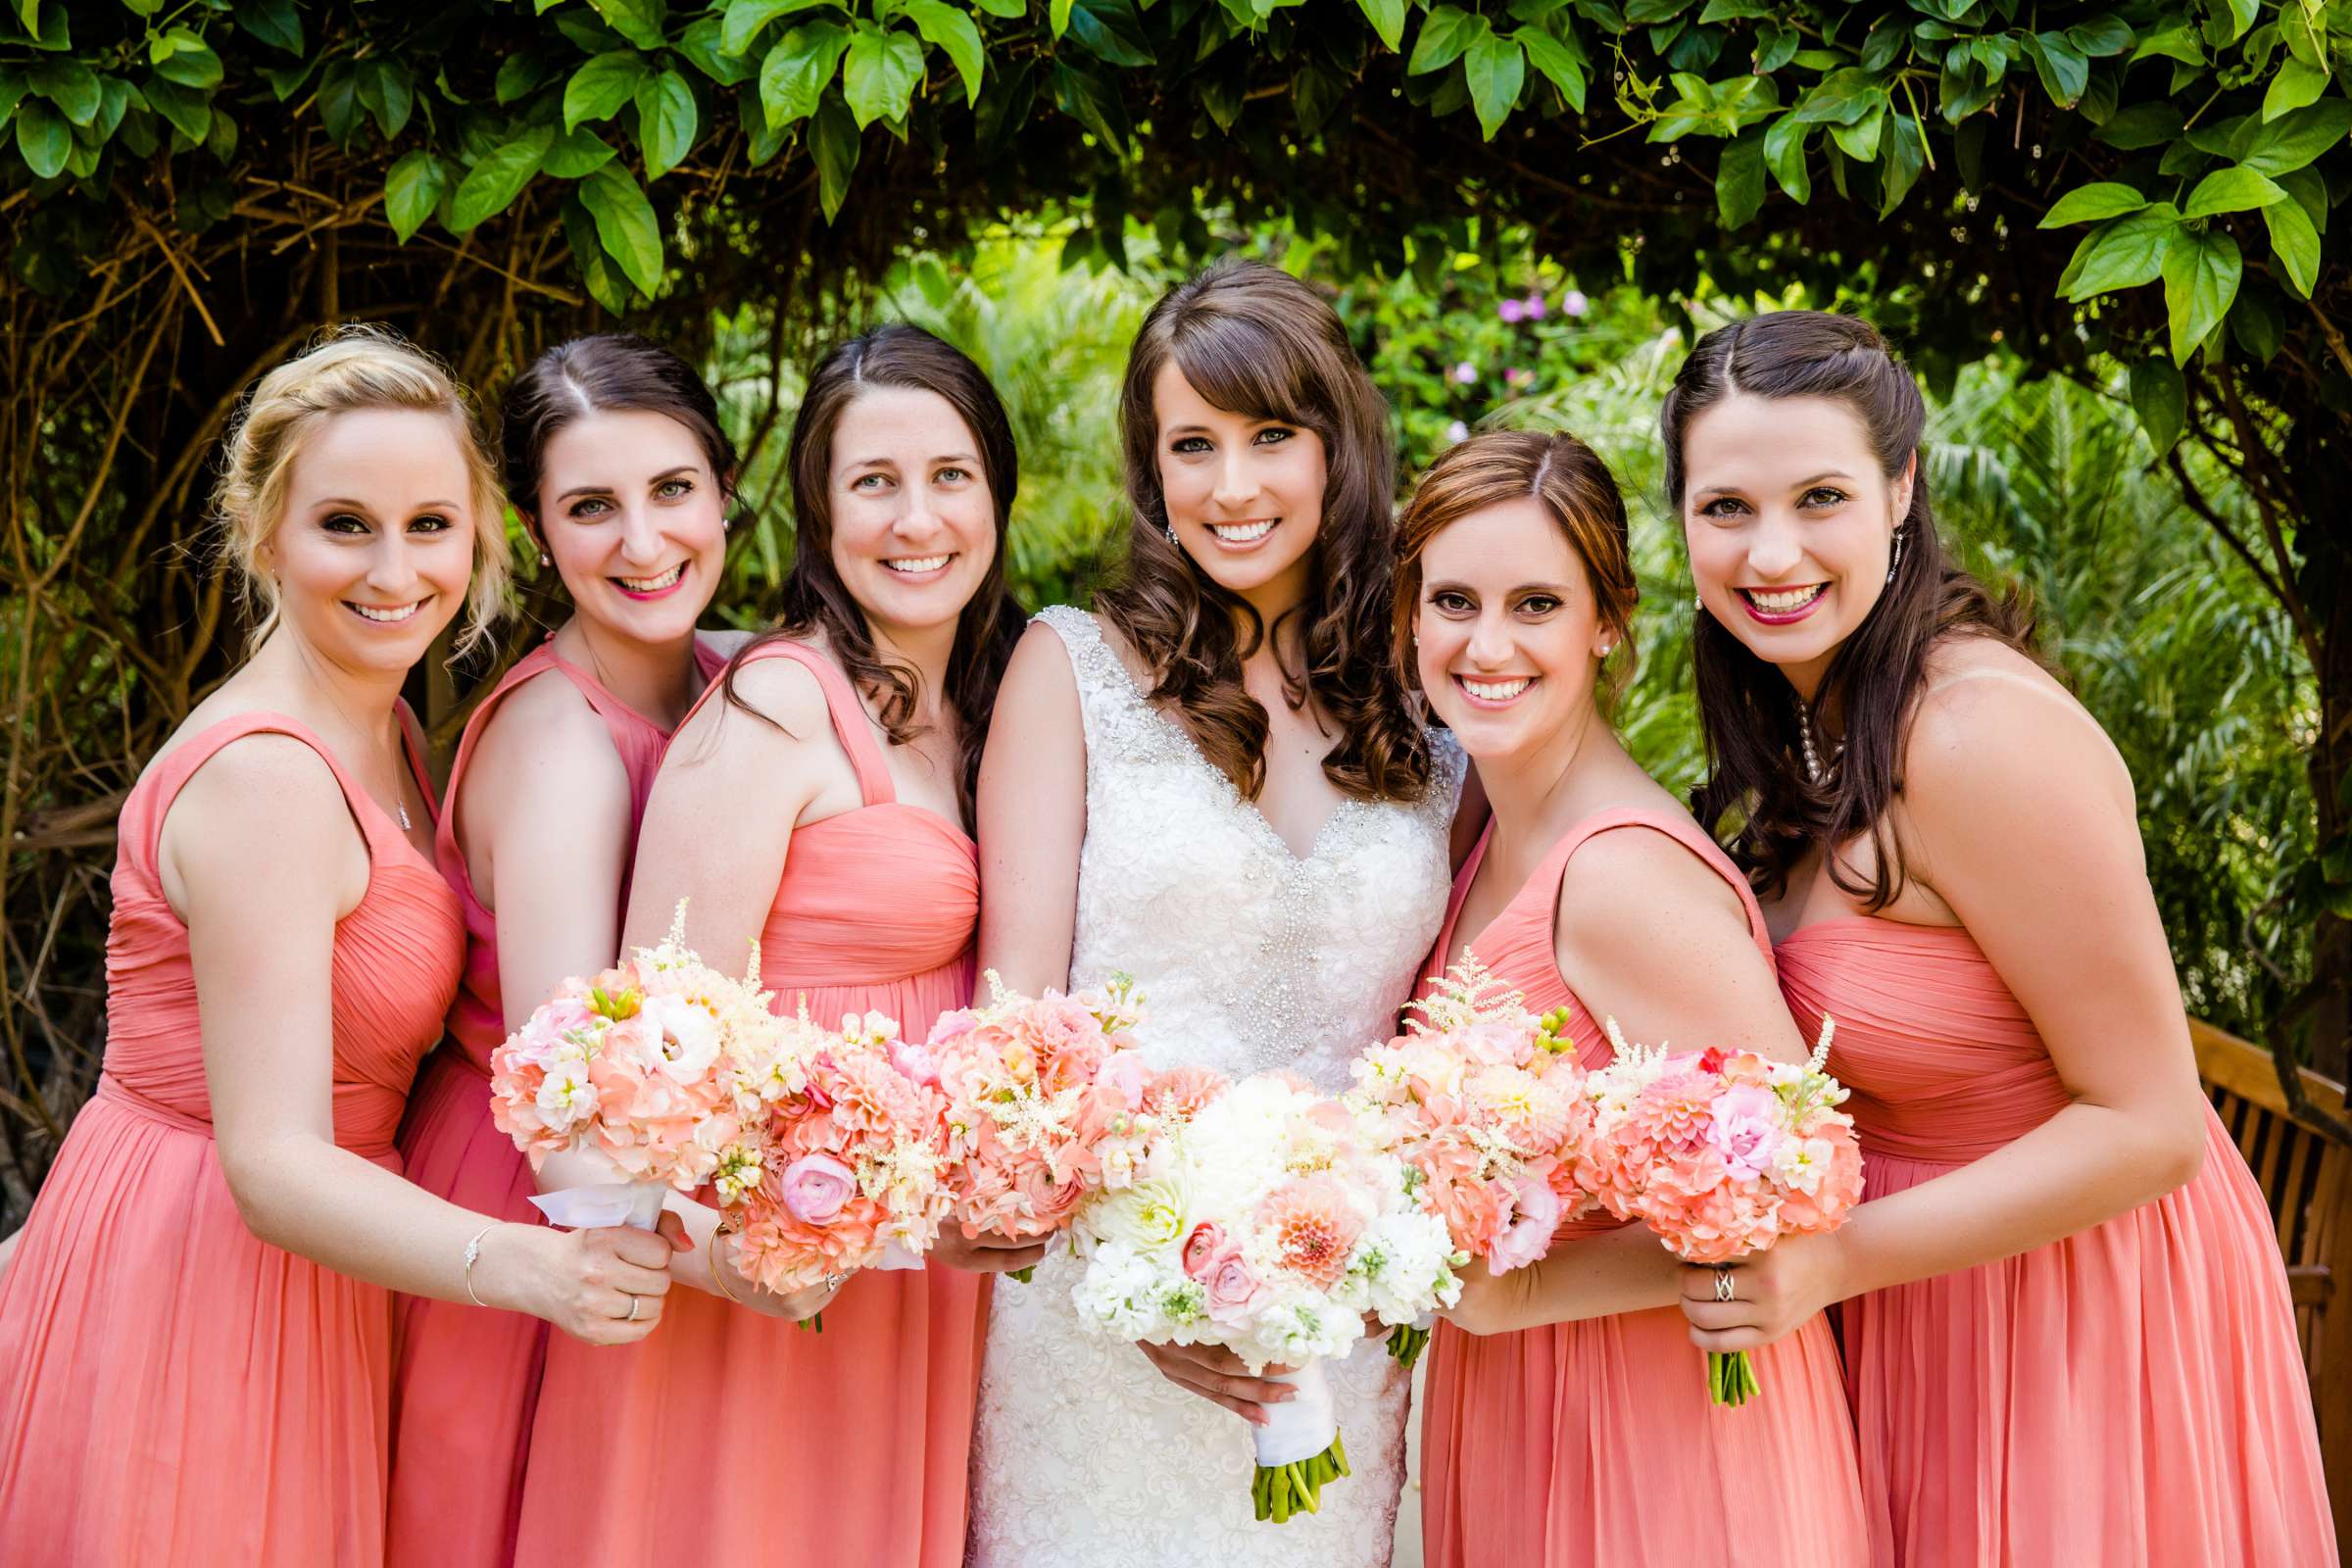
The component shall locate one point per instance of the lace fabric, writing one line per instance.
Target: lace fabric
(1250, 958)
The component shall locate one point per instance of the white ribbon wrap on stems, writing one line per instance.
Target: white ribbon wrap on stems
(581, 1208)
(1301, 1428)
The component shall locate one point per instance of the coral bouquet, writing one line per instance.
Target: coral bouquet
(1263, 1217)
(1721, 1154)
(634, 1065)
(1042, 1096)
(1481, 1098)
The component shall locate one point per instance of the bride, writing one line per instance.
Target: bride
(1216, 785)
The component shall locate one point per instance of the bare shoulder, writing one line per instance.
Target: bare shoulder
(1992, 724)
(781, 691)
(1043, 667)
(725, 641)
(263, 800)
(545, 728)
(1621, 885)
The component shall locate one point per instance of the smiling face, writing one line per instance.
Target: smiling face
(1790, 524)
(373, 551)
(1508, 636)
(914, 522)
(636, 522)
(1244, 495)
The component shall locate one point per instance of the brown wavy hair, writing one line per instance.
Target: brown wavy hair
(1255, 341)
(815, 598)
(1573, 485)
(1747, 709)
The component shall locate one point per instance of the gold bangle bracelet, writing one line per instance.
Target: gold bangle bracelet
(718, 1265)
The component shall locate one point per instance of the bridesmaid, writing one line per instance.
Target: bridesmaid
(622, 477)
(1570, 1424)
(855, 730)
(2067, 1330)
(195, 1333)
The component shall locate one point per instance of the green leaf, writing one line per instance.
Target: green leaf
(44, 138)
(1561, 64)
(1112, 30)
(794, 76)
(2179, 42)
(1844, 97)
(1446, 32)
(1388, 19)
(2230, 190)
(607, 284)
(191, 67)
(834, 140)
(411, 191)
(1785, 156)
(385, 88)
(2299, 136)
(2229, 20)
(577, 155)
(2255, 321)
(2294, 242)
(1903, 157)
(190, 112)
(2101, 36)
(953, 30)
(2122, 252)
(880, 77)
(274, 23)
(1057, 16)
(1496, 69)
(599, 88)
(668, 122)
(2160, 397)
(2089, 204)
(2064, 69)
(2148, 124)
(517, 75)
(2309, 187)
(2296, 85)
(491, 186)
(1008, 9)
(1860, 140)
(745, 19)
(2200, 278)
(1739, 179)
(638, 21)
(1086, 97)
(700, 45)
(624, 223)
(70, 85)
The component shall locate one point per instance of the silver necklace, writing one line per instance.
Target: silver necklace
(1812, 753)
(400, 808)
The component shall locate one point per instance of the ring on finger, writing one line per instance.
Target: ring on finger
(1723, 1284)
(632, 1317)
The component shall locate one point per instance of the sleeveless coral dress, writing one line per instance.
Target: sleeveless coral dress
(468, 1378)
(2132, 1395)
(1594, 1443)
(730, 1437)
(173, 1389)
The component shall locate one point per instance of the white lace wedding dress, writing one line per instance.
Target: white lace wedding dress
(1250, 957)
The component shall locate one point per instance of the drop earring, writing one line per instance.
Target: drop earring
(1169, 530)
(1896, 560)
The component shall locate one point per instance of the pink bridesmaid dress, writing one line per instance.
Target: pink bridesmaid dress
(730, 1436)
(467, 1377)
(173, 1389)
(1593, 1444)
(2132, 1395)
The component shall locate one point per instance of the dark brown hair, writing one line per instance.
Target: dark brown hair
(1747, 709)
(1254, 341)
(1574, 486)
(606, 373)
(817, 601)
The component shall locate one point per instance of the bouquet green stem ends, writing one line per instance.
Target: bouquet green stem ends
(1283, 1490)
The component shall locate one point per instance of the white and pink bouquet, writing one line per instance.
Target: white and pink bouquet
(1721, 1154)
(1481, 1098)
(1264, 1218)
(1041, 1101)
(848, 1161)
(634, 1065)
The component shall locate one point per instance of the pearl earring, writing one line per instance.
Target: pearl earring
(546, 559)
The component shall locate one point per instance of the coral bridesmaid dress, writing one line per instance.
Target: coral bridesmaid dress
(730, 1436)
(467, 1377)
(1594, 1443)
(2131, 1396)
(173, 1389)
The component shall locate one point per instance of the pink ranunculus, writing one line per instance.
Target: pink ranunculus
(1747, 1130)
(1200, 1249)
(1528, 1236)
(915, 1061)
(952, 1024)
(1232, 1291)
(1123, 1073)
(815, 1187)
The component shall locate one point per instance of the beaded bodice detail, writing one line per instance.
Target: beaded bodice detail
(1249, 956)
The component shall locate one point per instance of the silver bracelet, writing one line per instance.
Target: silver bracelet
(474, 1251)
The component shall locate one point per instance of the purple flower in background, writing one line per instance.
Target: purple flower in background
(1532, 308)
(1514, 310)
(1574, 302)
(1465, 372)
(1457, 431)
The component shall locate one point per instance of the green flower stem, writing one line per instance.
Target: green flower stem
(1277, 1491)
(1731, 1379)
(1024, 1275)
(1406, 1343)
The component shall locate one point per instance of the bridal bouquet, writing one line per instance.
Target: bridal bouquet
(1480, 1098)
(845, 1163)
(634, 1065)
(1042, 1094)
(1263, 1217)
(1721, 1154)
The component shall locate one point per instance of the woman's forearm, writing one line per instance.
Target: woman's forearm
(1627, 1270)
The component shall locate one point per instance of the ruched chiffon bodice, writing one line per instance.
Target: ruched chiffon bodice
(2131, 1396)
(173, 1389)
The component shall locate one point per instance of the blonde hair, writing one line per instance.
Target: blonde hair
(344, 371)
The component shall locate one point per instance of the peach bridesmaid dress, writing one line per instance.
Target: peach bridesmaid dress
(2132, 1395)
(730, 1436)
(1593, 1444)
(467, 1377)
(172, 1390)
